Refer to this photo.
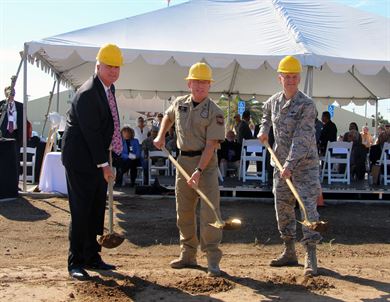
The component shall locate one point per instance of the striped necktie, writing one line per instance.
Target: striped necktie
(10, 127)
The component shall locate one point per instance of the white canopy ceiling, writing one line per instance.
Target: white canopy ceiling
(242, 40)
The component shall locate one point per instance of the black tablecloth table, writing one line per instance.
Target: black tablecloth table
(8, 169)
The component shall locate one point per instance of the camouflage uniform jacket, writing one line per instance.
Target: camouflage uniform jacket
(294, 131)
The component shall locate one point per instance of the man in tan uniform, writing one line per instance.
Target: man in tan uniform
(199, 125)
(292, 115)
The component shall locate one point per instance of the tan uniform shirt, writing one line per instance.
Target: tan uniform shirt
(196, 125)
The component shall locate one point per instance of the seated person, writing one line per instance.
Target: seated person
(129, 158)
(170, 140)
(367, 139)
(376, 150)
(354, 126)
(358, 156)
(147, 146)
(230, 153)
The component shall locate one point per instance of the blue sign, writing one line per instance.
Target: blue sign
(241, 107)
(331, 110)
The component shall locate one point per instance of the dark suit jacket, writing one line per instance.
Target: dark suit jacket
(89, 128)
(18, 135)
(244, 132)
(328, 134)
(233, 147)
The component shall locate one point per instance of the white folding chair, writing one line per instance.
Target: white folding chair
(385, 161)
(252, 151)
(30, 164)
(337, 153)
(157, 161)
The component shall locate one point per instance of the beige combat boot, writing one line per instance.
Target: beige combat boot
(184, 261)
(213, 260)
(310, 268)
(288, 256)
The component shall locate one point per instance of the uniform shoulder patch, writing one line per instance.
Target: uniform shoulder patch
(220, 119)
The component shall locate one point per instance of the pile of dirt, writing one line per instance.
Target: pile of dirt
(291, 281)
(202, 285)
(100, 290)
(317, 284)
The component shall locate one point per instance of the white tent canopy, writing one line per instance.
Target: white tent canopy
(347, 51)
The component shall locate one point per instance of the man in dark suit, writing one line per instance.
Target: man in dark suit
(12, 125)
(328, 133)
(92, 126)
(244, 132)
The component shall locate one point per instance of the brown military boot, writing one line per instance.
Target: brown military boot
(288, 256)
(310, 268)
(184, 261)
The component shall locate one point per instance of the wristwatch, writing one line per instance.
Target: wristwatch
(199, 169)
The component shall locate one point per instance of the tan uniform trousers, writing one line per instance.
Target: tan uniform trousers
(186, 202)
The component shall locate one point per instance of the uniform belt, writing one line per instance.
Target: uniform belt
(191, 153)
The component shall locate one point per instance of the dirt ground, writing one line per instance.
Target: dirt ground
(354, 258)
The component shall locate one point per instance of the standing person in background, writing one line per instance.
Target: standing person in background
(237, 122)
(92, 126)
(292, 115)
(318, 126)
(244, 132)
(158, 120)
(12, 125)
(328, 133)
(141, 130)
(200, 127)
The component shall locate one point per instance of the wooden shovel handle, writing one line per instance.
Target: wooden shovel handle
(187, 177)
(288, 181)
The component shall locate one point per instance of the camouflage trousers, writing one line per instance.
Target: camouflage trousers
(307, 183)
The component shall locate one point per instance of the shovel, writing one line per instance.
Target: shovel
(318, 226)
(230, 224)
(112, 239)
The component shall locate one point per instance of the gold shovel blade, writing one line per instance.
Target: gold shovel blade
(230, 224)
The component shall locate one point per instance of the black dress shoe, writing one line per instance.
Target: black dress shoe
(79, 274)
(100, 265)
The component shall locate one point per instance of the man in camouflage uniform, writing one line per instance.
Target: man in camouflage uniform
(292, 115)
(199, 125)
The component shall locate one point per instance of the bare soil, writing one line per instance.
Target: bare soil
(354, 257)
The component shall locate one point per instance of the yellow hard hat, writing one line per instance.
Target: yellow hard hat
(200, 71)
(110, 54)
(289, 64)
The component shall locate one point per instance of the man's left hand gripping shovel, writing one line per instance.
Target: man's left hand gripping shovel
(230, 224)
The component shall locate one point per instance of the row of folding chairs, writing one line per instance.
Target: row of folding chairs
(336, 163)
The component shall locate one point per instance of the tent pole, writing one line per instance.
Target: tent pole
(372, 95)
(231, 86)
(57, 109)
(306, 88)
(376, 117)
(311, 81)
(48, 107)
(25, 101)
(58, 94)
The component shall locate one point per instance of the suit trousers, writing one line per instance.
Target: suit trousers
(87, 200)
(186, 203)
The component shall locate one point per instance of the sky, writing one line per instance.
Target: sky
(26, 20)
